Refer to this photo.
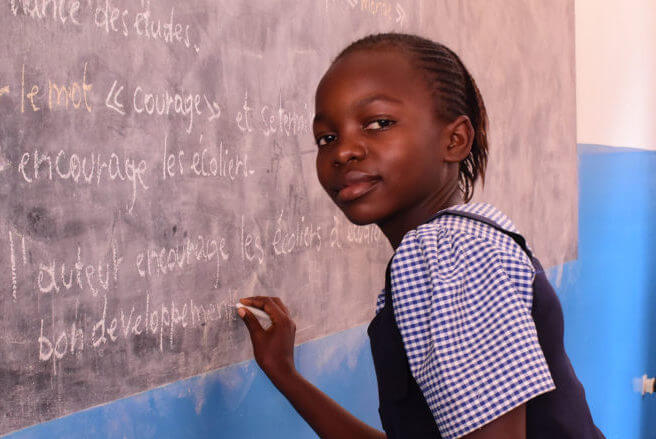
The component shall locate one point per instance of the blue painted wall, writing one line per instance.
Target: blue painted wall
(235, 402)
(608, 294)
(608, 297)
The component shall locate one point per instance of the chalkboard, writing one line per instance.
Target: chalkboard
(157, 163)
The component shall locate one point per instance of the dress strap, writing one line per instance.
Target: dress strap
(388, 283)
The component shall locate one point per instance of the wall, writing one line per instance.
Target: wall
(606, 300)
(234, 402)
(615, 71)
(230, 181)
(607, 293)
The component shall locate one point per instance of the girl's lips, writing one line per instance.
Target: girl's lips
(356, 187)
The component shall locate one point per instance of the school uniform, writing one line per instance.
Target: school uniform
(468, 328)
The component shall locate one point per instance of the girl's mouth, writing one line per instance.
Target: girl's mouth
(356, 185)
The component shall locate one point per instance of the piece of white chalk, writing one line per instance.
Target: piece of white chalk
(264, 318)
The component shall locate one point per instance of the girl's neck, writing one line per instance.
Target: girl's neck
(397, 226)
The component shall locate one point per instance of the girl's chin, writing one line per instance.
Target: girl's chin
(358, 217)
(360, 222)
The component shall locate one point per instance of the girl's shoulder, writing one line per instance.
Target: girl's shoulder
(450, 251)
(450, 236)
(481, 209)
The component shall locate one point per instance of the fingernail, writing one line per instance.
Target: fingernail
(241, 312)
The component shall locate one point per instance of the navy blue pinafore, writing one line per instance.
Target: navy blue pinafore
(560, 414)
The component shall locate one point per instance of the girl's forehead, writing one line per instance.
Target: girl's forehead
(371, 62)
(371, 71)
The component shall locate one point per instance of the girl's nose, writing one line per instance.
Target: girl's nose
(349, 151)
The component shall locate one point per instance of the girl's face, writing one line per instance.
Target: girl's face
(381, 148)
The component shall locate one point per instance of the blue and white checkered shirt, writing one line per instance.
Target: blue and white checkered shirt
(462, 294)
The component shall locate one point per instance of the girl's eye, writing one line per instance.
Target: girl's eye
(325, 140)
(379, 124)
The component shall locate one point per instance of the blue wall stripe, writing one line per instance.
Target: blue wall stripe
(608, 297)
(608, 294)
(235, 402)
(591, 148)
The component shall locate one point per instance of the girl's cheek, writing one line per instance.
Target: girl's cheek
(322, 179)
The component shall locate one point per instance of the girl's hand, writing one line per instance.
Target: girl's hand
(274, 352)
(273, 347)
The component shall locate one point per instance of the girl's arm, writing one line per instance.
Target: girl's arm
(274, 353)
(511, 425)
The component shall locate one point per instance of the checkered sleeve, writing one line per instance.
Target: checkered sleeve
(471, 342)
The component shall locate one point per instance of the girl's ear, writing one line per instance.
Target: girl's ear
(461, 136)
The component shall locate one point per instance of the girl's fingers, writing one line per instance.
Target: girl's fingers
(256, 301)
(280, 304)
(252, 324)
(261, 300)
(267, 304)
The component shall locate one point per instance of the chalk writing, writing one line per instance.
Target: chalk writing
(274, 119)
(73, 93)
(85, 169)
(295, 234)
(146, 25)
(165, 320)
(111, 18)
(364, 234)
(213, 108)
(343, 233)
(104, 15)
(387, 10)
(250, 243)
(13, 264)
(59, 95)
(52, 275)
(216, 161)
(112, 100)
(14, 285)
(164, 103)
(334, 235)
(149, 184)
(63, 11)
(163, 260)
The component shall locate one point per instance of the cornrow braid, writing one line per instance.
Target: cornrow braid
(454, 90)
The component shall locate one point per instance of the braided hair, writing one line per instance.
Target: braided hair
(454, 91)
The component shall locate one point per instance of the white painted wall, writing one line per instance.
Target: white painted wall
(616, 72)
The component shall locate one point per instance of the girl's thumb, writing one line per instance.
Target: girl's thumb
(253, 326)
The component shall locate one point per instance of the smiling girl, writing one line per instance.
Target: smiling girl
(467, 340)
